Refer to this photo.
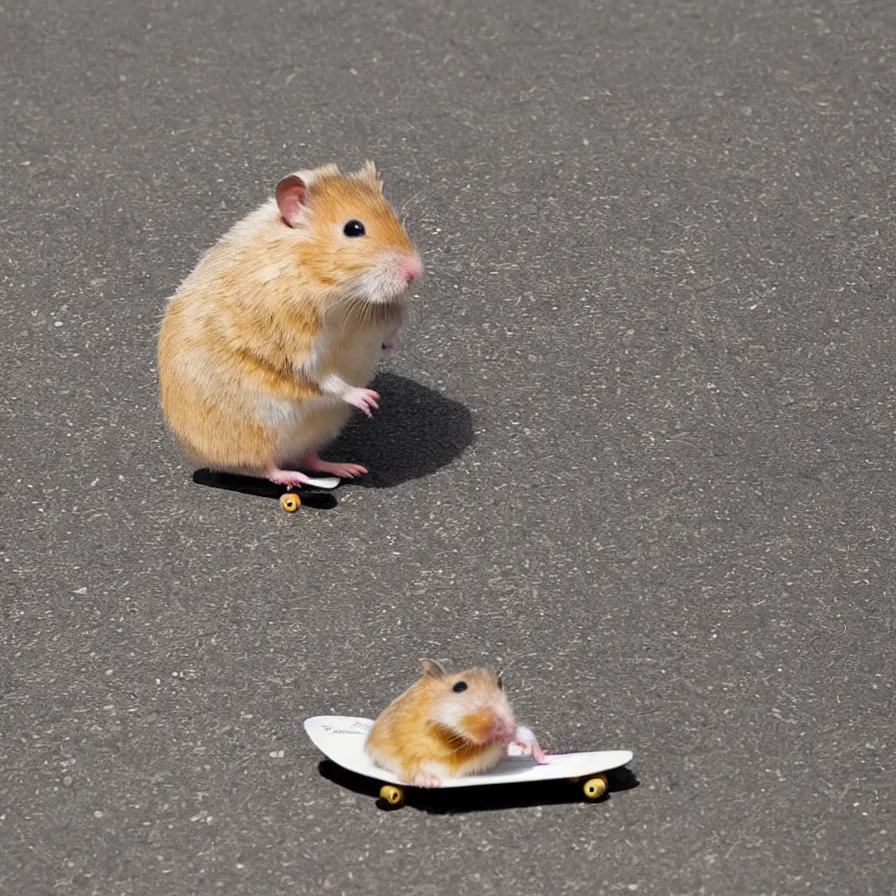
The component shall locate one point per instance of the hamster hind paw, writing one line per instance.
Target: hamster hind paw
(285, 477)
(312, 462)
(426, 779)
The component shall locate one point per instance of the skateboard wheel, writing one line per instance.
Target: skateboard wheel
(290, 502)
(595, 788)
(393, 795)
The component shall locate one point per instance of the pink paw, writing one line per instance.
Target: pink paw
(286, 477)
(425, 779)
(363, 399)
(525, 744)
(313, 463)
(344, 471)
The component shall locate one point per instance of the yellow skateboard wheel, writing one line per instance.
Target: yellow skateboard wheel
(393, 795)
(290, 502)
(595, 788)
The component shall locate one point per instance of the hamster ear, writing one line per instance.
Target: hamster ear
(433, 668)
(291, 199)
(371, 175)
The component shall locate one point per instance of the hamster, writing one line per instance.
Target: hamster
(268, 344)
(446, 726)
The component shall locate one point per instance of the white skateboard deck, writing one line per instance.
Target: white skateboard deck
(324, 481)
(341, 738)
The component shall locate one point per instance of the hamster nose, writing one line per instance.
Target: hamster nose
(413, 269)
(505, 729)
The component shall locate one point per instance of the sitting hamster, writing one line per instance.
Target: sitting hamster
(272, 339)
(447, 726)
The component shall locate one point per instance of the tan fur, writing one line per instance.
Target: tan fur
(411, 737)
(263, 306)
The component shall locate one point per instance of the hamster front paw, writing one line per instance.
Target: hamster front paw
(363, 399)
(525, 744)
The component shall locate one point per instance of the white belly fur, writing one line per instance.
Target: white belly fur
(311, 424)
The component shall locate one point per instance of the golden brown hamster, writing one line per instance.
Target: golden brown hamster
(446, 726)
(272, 339)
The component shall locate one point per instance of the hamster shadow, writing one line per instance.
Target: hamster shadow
(415, 433)
(458, 800)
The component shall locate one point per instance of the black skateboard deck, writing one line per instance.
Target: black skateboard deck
(307, 496)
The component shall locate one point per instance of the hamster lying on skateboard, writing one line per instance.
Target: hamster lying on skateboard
(448, 725)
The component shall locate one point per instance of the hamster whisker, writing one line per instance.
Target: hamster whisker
(352, 306)
(457, 743)
(512, 660)
(404, 206)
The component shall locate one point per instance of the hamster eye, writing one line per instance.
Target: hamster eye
(354, 228)
(500, 683)
(459, 687)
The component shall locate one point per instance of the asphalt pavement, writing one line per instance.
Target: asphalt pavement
(637, 446)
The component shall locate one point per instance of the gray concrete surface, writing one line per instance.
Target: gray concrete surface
(638, 441)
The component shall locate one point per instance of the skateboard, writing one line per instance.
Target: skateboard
(316, 494)
(341, 739)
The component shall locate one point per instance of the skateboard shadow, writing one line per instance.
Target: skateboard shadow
(495, 797)
(415, 433)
